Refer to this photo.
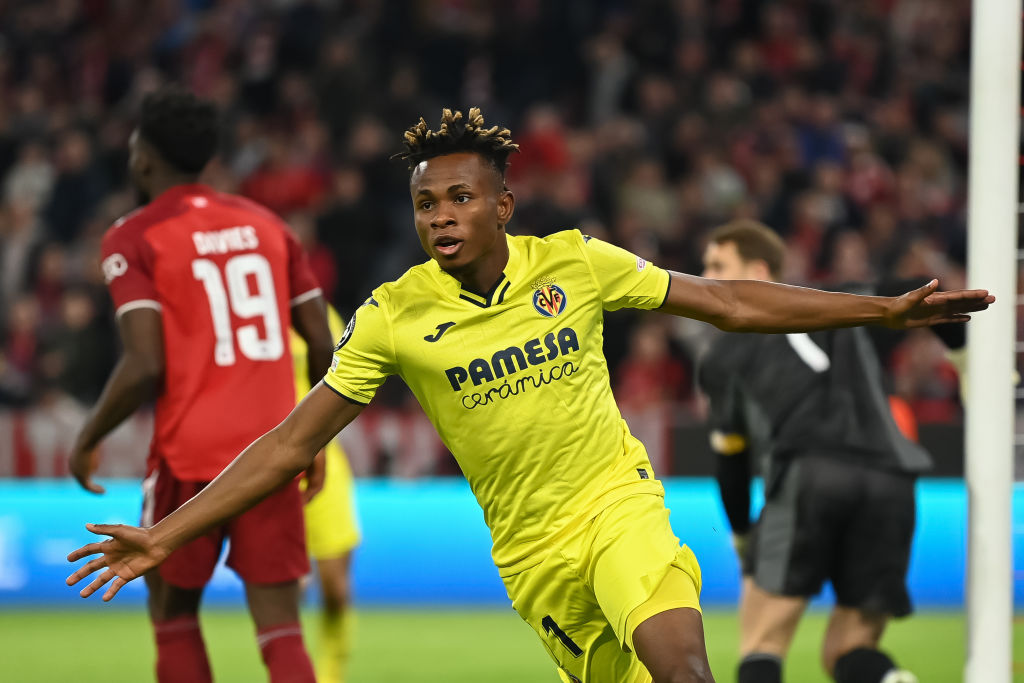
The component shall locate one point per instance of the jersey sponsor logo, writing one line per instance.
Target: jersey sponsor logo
(503, 365)
(549, 300)
(441, 329)
(114, 266)
(640, 264)
(514, 359)
(347, 334)
(238, 238)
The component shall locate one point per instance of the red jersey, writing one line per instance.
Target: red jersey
(224, 273)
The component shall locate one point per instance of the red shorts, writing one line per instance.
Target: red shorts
(268, 542)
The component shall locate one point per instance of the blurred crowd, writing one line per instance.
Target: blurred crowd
(841, 125)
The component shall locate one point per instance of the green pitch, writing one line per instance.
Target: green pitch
(103, 644)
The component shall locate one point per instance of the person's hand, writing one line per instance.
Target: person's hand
(83, 463)
(314, 477)
(127, 555)
(924, 306)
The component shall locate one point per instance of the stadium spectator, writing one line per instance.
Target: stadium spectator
(738, 105)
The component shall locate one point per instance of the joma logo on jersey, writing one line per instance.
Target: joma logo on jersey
(513, 359)
(549, 300)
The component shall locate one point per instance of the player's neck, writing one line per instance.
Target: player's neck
(165, 181)
(481, 275)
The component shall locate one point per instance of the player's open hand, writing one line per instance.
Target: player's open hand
(924, 306)
(82, 463)
(127, 555)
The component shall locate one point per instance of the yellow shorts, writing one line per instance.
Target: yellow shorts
(606, 576)
(332, 528)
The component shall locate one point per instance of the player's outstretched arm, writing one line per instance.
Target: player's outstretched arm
(268, 463)
(755, 306)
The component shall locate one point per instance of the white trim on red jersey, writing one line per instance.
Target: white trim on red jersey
(303, 298)
(138, 303)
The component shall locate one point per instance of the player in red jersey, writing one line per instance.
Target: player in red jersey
(206, 286)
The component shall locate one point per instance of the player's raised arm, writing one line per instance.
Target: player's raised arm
(271, 461)
(756, 306)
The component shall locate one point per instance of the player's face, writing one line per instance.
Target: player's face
(460, 209)
(722, 261)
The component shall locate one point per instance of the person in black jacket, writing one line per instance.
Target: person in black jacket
(809, 413)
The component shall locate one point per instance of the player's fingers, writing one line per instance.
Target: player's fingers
(916, 297)
(924, 291)
(953, 318)
(963, 295)
(86, 569)
(114, 587)
(959, 308)
(114, 530)
(92, 487)
(86, 551)
(97, 583)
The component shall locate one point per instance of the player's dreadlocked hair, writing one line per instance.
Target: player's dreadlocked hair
(182, 127)
(459, 135)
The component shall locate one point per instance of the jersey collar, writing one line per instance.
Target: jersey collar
(497, 293)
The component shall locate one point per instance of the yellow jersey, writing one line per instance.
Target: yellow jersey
(515, 380)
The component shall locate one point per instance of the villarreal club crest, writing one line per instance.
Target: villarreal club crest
(548, 299)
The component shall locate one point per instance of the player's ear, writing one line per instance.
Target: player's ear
(761, 271)
(506, 206)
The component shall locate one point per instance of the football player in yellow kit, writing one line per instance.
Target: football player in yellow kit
(500, 339)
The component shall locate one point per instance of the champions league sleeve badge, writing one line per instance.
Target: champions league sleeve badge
(347, 333)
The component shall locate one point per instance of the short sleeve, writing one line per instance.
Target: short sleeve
(625, 280)
(128, 270)
(302, 283)
(365, 354)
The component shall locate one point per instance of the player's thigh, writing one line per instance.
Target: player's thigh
(332, 528)
(268, 542)
(767, 621)
(563, 611)
(671, 645)
(636, 565)
(166, 601)
(798, 534)
(870, 575)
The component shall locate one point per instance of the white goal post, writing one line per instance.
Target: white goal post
(992, 264)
